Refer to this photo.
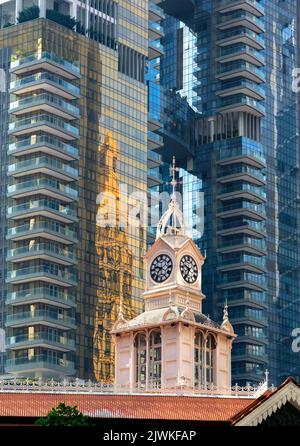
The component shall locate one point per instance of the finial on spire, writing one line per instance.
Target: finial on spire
(174, 169)
(226, 325)
(267, 377)
(225, 312)
(173, 214)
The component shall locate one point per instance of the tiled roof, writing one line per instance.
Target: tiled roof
(125, 406)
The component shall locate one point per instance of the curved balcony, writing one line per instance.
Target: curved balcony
(46, 295)
(238, 279)
(243, 261)
(154, 177)
(46, 229)
(240, 35)
(47, 103)
(49, 318)
(156, 14)
(243, 208)
(240, 51)
(42, 273)
(249, 244)
(240, 69)
(242, 152)
(155, 141)
(241, 103)
(243, 190)
(256, 299)
(241, 18)
(153, 159)
(44, 123)
(47, 187)
(43, 207)
(46, 251)
(242, 173)
(40, 363)
(40, 339)
(45, 81)
(45, 144)
(248, 227)
(45, 61)
(155, 30)
(43, 164)
(252, 6)
(155, 49)
(242, 86)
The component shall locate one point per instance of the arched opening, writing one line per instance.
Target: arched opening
(199, 359)
(210, 346)
(141, 360)
(155, 363)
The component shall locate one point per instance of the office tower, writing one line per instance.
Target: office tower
(227, 65)
(73, 128)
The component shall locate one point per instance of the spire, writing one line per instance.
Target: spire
(226, 325)
(173, 214)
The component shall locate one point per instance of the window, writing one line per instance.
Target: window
(199, 359)
(210, 346)
(141, 358)
(155, 359)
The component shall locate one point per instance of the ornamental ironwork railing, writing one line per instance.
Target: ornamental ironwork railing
(28, 385)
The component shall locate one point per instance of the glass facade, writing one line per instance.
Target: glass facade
(74, 128)
(229, 65)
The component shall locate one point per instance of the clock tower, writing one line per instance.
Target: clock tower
(172, 344)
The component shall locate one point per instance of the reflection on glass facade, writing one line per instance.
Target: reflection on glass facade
(71, 112)
(115, 262)
(230, 65)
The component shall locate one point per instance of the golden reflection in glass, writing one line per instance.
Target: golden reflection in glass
(115, 264)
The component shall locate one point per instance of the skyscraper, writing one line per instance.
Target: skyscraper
(73, 127)
(230, 63)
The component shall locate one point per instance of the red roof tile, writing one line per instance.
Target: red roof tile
(125, 406)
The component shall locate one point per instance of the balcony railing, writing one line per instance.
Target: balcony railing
(240, 32)
(254, 243)
(243, 83)
(47, 57)
(44, 120)
(33, 206)
(42, 270)
(243, 258)
(47, 77)
(39, 140)
(234, 152)
(242, 169)
(244, 187)
(254, 3)
(259, 209)
(237, 15)
(45, 98)
(37, 316)
(46, 226)
(39, 361)
(40, 162)
(258, 226)
(241, 66)
(41, 183)
(66, 298)
(38, 338)
(50, 249)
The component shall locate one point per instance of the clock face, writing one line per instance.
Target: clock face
(161, 268)
(188, 269)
